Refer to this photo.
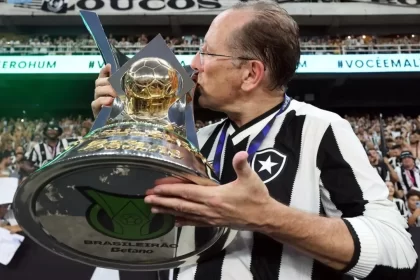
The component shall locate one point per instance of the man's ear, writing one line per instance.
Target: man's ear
(253, 74)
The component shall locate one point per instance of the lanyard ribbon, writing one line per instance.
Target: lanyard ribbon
(255, 143)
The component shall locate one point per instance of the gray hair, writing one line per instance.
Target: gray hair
(271, 36)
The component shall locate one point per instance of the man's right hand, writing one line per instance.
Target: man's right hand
(104, 93)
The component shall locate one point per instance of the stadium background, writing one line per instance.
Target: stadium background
(67, 94)
(33, 93)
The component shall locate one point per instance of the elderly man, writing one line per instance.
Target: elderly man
(296, 181)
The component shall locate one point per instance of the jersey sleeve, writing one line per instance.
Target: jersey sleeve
(354, 191)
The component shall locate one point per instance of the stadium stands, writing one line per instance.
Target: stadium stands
(84, 45)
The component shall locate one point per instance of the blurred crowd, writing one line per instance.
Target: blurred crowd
(26, 145)
(397, 159)
(20, 140)
(84, 44)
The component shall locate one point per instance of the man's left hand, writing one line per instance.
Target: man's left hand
(242, 204)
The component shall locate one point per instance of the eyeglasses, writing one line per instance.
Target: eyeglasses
(203, 54)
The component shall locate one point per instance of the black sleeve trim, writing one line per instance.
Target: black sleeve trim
(356, 253)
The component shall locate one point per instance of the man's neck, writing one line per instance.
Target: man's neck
(409, 167)
(391, 198)
(52, 142)
(252, 109)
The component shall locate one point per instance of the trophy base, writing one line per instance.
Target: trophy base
(88, 204)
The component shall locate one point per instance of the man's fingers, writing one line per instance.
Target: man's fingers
(190, 192)
(170, 180)
(105, 71)
(99, 82)
(98, 103)
(105, 91)
(175, 206)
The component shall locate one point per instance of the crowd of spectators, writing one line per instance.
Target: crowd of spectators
(397, 161)
(84, 44)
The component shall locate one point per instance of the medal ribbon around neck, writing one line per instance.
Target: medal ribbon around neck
(255, 143)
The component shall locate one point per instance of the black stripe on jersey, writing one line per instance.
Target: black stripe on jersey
(43, 154)
(322, 211)
(176, 273)
(207, 147)
(211, 268)
(356, 242)
(266, 252)
(338, 177)
(33, 156)
(321, 272)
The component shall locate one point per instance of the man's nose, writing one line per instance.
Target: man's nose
(196, 63)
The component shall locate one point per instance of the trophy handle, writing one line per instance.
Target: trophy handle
(182, 114)
(190, 122)
(189, 113)
(111, 56)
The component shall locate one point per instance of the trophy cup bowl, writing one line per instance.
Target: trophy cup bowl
(88, 203)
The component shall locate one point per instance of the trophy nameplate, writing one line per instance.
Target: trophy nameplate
(87, 204)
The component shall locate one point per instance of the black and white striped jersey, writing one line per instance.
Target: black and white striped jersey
(310, 160)
(42, 153)
(408, 179)
(394, 162)
(401, 206)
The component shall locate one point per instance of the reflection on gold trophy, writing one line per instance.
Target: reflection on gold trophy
(151, 86)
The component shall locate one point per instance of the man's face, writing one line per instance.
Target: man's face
(370, 145)
(18, 132)
(390, 188)
(19, 150)
(411, 203)
(373, 156)
(37, 139)
(408, 162)
(219, 79)
(414, 138)
(395, 152)
(7, 161)
(52, 133)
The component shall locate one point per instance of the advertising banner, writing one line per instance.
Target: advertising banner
(79, 64)
(198, 7)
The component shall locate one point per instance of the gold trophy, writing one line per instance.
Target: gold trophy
(88, 203)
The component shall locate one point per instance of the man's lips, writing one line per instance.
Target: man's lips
(194, 77)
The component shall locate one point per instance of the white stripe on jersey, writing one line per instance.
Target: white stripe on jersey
(105, 274)
(294, 265)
